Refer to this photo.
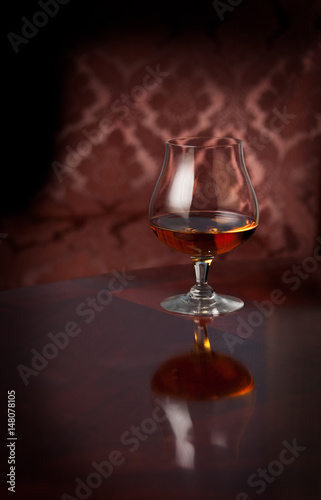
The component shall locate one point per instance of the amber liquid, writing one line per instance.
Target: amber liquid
(203, 234)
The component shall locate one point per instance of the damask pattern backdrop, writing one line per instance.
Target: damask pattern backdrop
(251, 71)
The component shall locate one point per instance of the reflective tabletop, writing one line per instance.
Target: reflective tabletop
(112, 397)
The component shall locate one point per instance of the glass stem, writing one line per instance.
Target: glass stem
(201, 290)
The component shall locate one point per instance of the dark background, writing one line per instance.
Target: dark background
(34, 75)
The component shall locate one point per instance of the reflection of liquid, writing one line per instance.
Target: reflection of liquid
(202, 373)
(207, 398)
(200, 376)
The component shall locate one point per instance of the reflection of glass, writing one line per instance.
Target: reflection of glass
(207, 398)
(203, 205)
(202, 374)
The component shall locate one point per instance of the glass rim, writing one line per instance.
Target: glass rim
(179, 142)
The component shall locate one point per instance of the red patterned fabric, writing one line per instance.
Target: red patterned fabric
(125, 94)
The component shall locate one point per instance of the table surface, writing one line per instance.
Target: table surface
(81, 355)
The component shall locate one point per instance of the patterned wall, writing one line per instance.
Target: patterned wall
(126, 91)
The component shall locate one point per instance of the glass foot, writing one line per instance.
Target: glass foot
(215, 305)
